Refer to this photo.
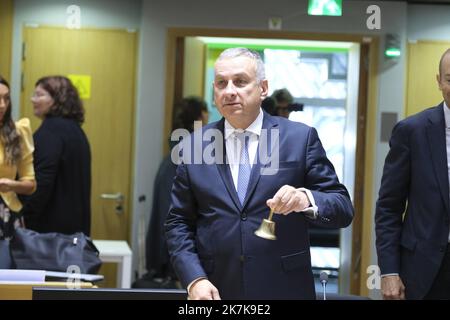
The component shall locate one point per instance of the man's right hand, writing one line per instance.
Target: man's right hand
(203, 290)
(392, 288)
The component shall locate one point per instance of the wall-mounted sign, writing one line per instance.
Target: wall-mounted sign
(83, 85)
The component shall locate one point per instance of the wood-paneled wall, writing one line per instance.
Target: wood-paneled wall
(6, 27)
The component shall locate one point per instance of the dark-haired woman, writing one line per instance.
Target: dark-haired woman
(16, 161)
(188, 110)
(62, 160)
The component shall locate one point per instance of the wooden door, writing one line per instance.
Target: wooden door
(6, 24)
(423, 65)
(108, 59)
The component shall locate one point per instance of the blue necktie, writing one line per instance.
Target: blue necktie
(244, 167)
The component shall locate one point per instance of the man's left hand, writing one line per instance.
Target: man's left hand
(287, 200)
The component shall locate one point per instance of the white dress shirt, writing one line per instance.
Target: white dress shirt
(447, 140)
(233, 150)
(233, 144)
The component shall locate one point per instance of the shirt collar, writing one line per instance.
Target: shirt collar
(446, 115)
(255, 127)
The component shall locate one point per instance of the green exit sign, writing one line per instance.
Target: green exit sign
(325, 7)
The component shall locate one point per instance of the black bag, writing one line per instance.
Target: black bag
(31, 250)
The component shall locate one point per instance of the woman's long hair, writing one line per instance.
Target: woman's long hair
(9, 135)
(67, 102)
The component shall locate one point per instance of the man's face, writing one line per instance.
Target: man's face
(444, 79)
(237, 93)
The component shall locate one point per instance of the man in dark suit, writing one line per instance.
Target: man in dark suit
(217, 207)
(413, 251)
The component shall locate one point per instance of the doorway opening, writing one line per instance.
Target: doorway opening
(328, 76)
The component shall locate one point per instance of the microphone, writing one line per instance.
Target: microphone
(324, 281)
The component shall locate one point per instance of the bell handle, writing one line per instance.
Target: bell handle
(271, 214)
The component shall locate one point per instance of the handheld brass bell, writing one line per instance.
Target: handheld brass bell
(267, 228)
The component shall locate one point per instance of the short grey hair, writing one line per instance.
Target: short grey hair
(244, 52)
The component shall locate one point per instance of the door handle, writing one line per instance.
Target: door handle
(113, 196)
(118, 197)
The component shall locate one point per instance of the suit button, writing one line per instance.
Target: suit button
(242, 258)
(243, 216)
(442, 249)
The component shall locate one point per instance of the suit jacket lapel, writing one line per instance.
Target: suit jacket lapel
(224, 170)
(437, 143)
(264, 144)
